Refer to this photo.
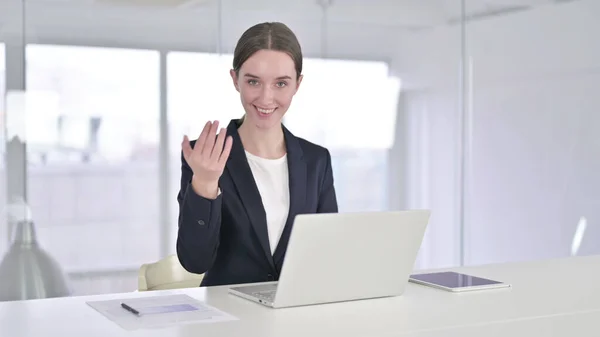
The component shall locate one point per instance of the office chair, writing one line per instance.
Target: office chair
(166, 274)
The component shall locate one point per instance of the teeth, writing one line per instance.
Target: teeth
(265, 111)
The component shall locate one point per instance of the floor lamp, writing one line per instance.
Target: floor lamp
(27, 271)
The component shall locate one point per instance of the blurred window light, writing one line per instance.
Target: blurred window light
(28, 115)
(578, 237)
(348, 106)
(104, 86)
(352, 104)
(199, 89)
(340, 103)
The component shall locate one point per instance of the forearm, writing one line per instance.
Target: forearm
(199, 230)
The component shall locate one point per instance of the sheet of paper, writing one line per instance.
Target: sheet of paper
(167, 310)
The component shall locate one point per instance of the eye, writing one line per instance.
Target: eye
(281, 84)
(253, 82)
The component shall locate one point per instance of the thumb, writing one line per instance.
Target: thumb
(186, 148)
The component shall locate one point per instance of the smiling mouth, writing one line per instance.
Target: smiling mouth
(265, 111)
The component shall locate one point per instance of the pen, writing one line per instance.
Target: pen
(130, 309)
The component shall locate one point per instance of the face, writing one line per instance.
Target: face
(266, 83)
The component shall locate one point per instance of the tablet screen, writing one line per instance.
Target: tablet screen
(453, 280)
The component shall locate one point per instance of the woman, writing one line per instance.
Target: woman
(242, 187)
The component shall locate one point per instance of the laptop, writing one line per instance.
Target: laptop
(337, 257)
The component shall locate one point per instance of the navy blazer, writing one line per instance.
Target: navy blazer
(226, 238)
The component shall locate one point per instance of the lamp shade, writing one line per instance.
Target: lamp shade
(29, 272)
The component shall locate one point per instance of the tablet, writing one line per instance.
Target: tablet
(456, 282)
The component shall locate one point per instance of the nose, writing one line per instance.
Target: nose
(267, 95)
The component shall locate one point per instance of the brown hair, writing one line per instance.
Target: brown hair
(267, 35)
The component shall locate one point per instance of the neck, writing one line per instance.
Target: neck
(265, 143)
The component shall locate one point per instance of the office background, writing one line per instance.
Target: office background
(485, 111)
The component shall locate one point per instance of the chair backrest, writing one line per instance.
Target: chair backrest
(166, 274)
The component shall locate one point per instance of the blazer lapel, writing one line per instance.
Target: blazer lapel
(241, 174)
(297, 182)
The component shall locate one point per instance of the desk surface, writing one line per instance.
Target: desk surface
(566, 289)
(579, 324)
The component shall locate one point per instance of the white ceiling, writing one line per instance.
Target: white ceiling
(400, 13)
(354, 29)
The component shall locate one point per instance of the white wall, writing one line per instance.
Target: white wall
(428, 142)
(535, 152)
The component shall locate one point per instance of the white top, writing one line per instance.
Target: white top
(549, 298)
(272, 180)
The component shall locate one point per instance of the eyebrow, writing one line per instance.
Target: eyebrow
(278, 78)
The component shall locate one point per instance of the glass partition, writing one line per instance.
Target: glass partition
(111, 93)
(534, 187)
(483, 112)
(93, 155)
(3, 226)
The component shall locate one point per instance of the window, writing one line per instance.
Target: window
(356, 94)
(199, 89)
(93, 167)
(350, 107)
(358, 131)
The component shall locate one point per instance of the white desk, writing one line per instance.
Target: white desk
(568, 289)
(581, 325)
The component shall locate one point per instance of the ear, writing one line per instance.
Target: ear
(298, 82)
(235, 79)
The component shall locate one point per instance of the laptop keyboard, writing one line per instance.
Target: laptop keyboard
(268, 295)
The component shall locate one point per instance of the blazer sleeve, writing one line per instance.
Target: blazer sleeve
(327, 196)
(199, 225)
